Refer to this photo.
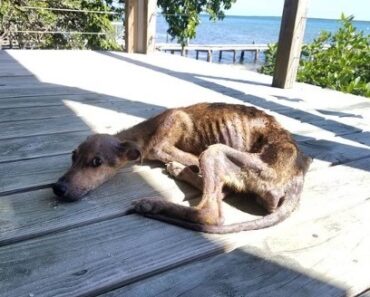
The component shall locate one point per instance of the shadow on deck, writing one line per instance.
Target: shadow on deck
(93, 247)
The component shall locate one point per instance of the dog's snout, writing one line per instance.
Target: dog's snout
(60, 188)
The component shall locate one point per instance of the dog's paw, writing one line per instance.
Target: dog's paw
(147, 205)
(174, 168)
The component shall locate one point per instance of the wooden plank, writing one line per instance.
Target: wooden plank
(18, 81)
(32, 173)
(109, 254)
(43, 126)
(31, 214)
(14, 109)
(39, 146)
(321, 251)
(48, 100)
(114, 198)
(290, 42)
(93, 259)
(33, 113)
(13, 69)
(335, 126)
(238, 273)
(365, 294)
(326, 257)
(46, 89)
(334, 151)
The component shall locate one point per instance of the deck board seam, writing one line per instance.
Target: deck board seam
(45, 134)
(33, 158)
(333, 164)
(44, 233)
(45, 95)
(33, 106)
(25, 190)
(193, 259)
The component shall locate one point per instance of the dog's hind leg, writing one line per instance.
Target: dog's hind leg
(219, 165)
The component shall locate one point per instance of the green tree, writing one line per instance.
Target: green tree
(337, 61)
(183, 17)
(15, 17)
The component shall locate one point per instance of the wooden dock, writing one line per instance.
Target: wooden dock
(210, 49)
(51, 100)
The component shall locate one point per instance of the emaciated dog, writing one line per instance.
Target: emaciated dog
(210, 146)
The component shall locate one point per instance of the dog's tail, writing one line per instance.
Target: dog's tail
(286, 208)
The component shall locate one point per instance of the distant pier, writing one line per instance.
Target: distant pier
(210, 49)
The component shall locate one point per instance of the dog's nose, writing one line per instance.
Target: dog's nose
(60, 188)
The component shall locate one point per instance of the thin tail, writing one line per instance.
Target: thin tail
(289, 205)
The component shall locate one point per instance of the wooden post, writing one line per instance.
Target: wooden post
(242, 56)
(256, 56)
(290, 43)
(220, 56)
(209, 56)
(140, 26)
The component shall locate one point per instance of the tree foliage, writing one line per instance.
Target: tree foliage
(183, 16)
(338, 61)
(16, 22)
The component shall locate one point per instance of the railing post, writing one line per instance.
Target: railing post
(140, 20)
(290, 43)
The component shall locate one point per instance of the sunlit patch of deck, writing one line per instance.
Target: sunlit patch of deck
(51, 100)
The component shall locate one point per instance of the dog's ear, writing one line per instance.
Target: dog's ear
(131, 150)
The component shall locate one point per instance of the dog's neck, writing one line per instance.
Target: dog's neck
(140, 134)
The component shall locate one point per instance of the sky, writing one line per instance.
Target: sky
(327, 9)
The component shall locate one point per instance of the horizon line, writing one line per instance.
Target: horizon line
(279, 16)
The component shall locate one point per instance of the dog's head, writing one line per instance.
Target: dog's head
(94, 161)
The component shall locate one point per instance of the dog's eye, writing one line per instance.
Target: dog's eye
(96, 162)
(74, 156)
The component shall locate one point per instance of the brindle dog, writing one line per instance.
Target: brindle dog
(209, 146)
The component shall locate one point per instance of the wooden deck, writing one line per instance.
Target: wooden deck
(51, 100)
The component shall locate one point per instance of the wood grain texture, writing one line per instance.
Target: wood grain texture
(95, 258)
(32, 128)
(290, 42)
(365, 294)
(47, 100)
(302, 249)
(20, 109)
(39, 146)
(31, 214)
(91, 247)
(334, 151)
(39, 91)
(322, 250)
(32, 173)
(239, 273)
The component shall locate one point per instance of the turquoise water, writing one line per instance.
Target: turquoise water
(241, 29)
(245, 29)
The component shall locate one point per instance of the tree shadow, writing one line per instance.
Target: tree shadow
(30, 263)
(238, 273)
(345, 131)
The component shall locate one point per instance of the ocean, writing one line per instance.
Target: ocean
(249, 29)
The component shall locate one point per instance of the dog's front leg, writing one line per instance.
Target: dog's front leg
(185, 173)
(167, 153)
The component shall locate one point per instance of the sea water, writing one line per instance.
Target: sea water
(249, 29)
